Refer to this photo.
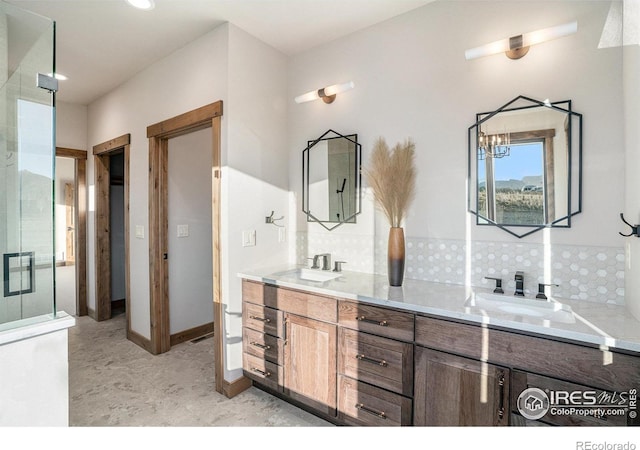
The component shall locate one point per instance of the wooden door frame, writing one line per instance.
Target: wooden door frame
(80, 238)
(101, 156)
(209, 116)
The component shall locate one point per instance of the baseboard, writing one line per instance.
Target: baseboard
(139, 340)
(191, 333)
(233, 388)
(92, 313)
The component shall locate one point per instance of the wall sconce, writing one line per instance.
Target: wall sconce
(515, 47)
(328, 94)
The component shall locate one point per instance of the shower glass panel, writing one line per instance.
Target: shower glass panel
(27, 158)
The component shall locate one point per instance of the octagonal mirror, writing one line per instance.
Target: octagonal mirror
(331, 179)
(525, 166)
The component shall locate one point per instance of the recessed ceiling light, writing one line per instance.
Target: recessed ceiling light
(142, 4)
(58, 76)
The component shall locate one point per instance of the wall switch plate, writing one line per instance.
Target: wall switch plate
(140, 231)
(282, 234)
(248, 238)
(183, 230)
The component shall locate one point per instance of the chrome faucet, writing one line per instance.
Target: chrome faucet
(326, 261)
(519, 284)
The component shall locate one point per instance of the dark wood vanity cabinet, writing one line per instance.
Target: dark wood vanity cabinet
(375, 365)
(455, 391)
(360, 364)
(529, 361)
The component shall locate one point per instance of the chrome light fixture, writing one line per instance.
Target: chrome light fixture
(327, 94)
(515, 47)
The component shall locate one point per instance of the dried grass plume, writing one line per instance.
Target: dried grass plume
(392, 177)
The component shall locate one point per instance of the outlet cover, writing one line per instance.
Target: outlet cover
(183, 230)
(140, 231)
(249, 238)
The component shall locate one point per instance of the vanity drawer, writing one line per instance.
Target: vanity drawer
(376, 360)
(362, 404)
(603, 368)
(263, 319)
(264, 372)
(380, 321)
(253, 292)
(262, 345)
(307, 305)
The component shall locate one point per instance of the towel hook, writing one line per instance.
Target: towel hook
(634, 228)
(270, 219)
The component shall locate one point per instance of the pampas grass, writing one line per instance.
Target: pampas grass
(392, 177)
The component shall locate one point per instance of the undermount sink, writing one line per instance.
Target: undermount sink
(314, 274)
(519, 306)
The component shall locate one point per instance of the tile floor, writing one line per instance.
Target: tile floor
(113, 382)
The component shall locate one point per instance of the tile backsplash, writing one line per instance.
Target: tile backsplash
(582, 272)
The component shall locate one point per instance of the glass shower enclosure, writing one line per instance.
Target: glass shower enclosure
(27, 159)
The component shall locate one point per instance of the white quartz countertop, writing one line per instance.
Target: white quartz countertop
(608, 326)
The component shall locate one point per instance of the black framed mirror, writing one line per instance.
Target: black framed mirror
(525, 166)
(331, 179)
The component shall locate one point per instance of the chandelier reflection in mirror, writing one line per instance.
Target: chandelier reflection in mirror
(493, 145)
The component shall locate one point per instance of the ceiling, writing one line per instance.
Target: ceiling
(102, 43)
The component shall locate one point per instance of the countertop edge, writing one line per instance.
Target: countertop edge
(603, 342)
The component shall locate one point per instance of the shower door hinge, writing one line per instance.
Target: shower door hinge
(47, 82)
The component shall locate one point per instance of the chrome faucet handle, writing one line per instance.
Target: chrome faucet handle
(498, 289)
(541, 295)
(338, 266)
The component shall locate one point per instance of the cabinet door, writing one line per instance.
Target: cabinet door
(310, 362)
(455, 391)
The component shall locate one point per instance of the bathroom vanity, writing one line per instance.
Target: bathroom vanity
(354, 351)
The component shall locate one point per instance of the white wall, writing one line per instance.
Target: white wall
(71, 124)
(255, 174)
(412, 80)
(190, 257)
(632, 203)
(191, 77)
(250, 77)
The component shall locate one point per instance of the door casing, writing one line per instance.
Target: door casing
(80, 238)
(209, 116)
(102, 154)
